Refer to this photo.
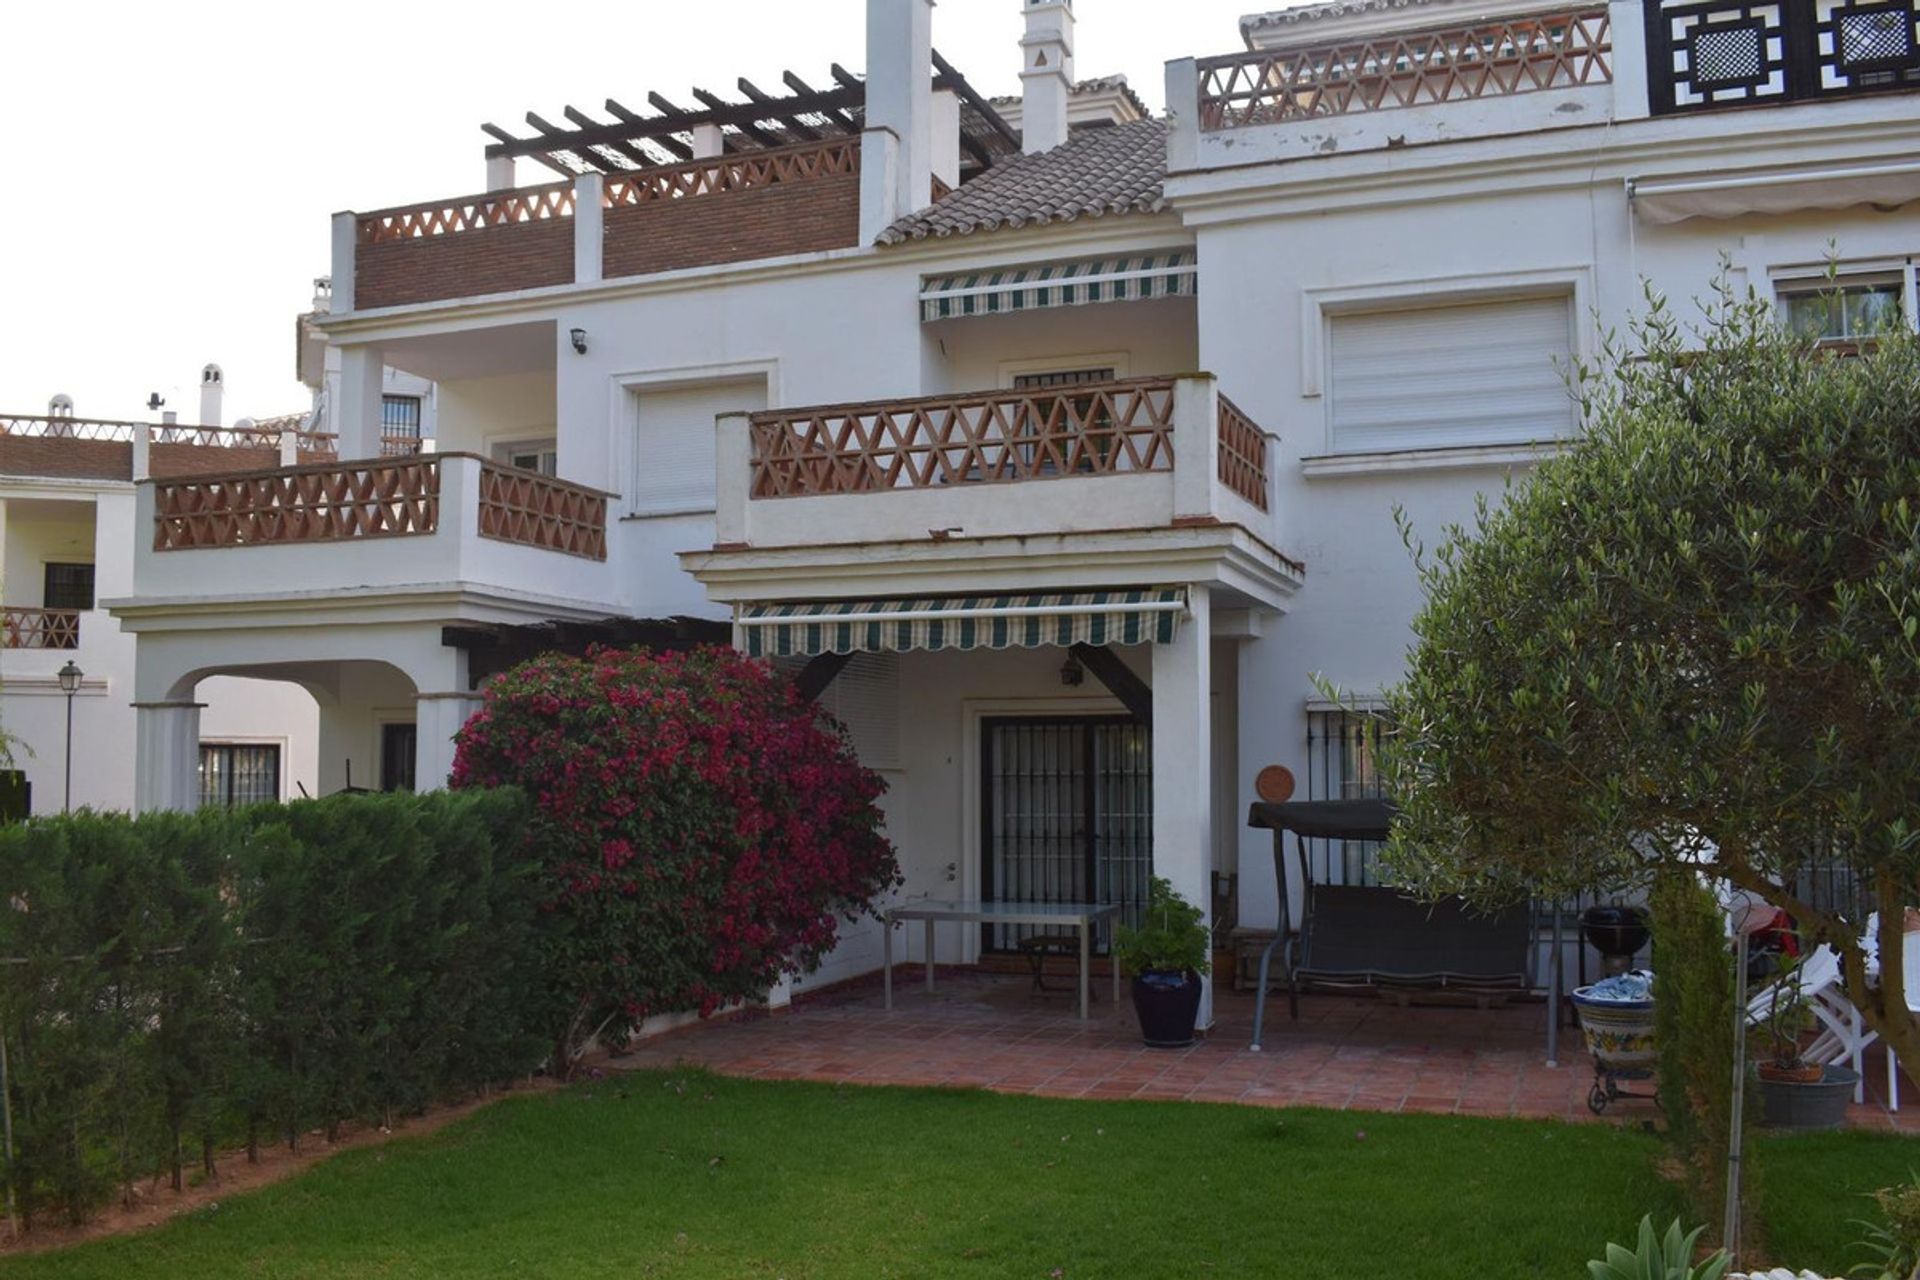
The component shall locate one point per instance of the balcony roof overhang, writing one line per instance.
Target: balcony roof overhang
(1245, 572)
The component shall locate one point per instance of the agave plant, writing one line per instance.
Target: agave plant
(1893, 1246)
(1668, 1257)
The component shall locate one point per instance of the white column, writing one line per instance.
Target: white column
(357, 416)
(142, 451)
(167, 756)
(900, 91)
(500, 176)
(879, 195)
(1196, 446)
(437, 717)
(346, 235)
(1627, 28)
(1183, 763)
(1183, 112)
(945, 132)
(733, 479)
(709, 140)
(588, 227)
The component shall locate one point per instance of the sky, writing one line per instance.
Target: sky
(171, 168)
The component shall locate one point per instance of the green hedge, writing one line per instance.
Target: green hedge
(175, 982)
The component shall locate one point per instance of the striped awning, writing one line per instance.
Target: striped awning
(811, 627)
(1059, 284)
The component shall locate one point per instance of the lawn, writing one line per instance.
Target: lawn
(691, 1175)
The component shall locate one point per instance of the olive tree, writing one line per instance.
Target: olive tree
(1688, 640)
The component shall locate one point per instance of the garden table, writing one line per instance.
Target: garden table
(1082, 917)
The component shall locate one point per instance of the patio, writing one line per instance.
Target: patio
(990, 1030)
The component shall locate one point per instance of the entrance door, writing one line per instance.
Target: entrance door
(398, 743)
(1066, 814)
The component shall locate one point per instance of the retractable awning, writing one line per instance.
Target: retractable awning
(803, 629)
(1059, 284)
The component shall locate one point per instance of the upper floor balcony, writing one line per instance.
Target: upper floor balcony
(1137, 454)
(432, 523)
(1426, 79)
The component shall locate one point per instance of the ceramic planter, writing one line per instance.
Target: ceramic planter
(1168, 1004)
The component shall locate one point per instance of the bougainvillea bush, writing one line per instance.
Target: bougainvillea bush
(701, 828)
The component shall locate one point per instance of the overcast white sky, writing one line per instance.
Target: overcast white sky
(171, 167)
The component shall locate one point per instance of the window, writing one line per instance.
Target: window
(1844, 310)
(673, 441)
(398, 743)
(539, 456)
(400, 416)
(234, 774)
(1477, 373)
(69, 586)
(1343, 752)
(1061, 378)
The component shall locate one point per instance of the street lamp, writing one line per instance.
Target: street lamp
(69, 685)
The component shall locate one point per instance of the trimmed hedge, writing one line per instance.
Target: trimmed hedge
(177, 981)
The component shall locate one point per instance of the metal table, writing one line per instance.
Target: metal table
(1081, 916)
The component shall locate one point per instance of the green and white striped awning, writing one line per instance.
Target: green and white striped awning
(803, 629)
(1059, 284)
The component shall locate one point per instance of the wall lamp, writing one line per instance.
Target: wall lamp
(579, 337)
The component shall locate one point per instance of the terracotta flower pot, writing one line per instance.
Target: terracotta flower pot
(1806, 1073)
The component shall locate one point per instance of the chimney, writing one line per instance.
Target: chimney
(212, 390)
(1046, 74)
(896, 147)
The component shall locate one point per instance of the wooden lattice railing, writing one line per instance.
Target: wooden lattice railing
(539, 511)
(738, 172)
(1243, 454)
(40, 628)
(468, 213)
(321, 503)
(1111, 428)
(1488, 59)
(69, 428)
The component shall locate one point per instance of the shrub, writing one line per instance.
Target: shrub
(1171, 937)
(1693, 1027)
(699, 827)
(182, 979)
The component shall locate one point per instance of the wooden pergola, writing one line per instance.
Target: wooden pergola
(756, 121)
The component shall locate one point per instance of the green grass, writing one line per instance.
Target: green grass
(1809, 1189)
(689, 1175)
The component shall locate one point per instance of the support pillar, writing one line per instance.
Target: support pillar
(167, 756)
(1183, 764)
(437, 717)
(357, 417)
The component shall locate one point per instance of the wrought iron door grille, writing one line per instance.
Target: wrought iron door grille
(1066, 816)
(1342, 754)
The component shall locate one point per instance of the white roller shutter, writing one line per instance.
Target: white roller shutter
(865, 697)
(1478, 373)
(673, 442)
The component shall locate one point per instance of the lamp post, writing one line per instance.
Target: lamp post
(69, 685)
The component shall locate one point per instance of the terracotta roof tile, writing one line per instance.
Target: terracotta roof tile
(1095, 173)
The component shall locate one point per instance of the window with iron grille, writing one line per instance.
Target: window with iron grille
(1060, 378)
(69, 586)
(400, 416)
(233, 774)
(1343, 753)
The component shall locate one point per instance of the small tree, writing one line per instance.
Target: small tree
(700, 829)
(1688, 641)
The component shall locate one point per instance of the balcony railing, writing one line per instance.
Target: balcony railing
(994, 437)
(1487, 59)
(395, 498)
(323, 503)
(40, 628)
(1243, 454)
(540, 511)
(1704, 54)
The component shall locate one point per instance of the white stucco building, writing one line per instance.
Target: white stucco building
(867, 370)
(67, 536)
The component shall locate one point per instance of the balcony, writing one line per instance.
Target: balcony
(1533, 71)
(1129, 455)
(104, 449)
(735, 208)
(436, 521)
(39, 628)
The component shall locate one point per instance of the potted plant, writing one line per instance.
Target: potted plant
(1167, 956)
(1795, 1093)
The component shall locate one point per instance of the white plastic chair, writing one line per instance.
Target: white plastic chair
(1910, 969)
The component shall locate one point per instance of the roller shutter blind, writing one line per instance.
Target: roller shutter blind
(1468, 374)
(674, 443)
